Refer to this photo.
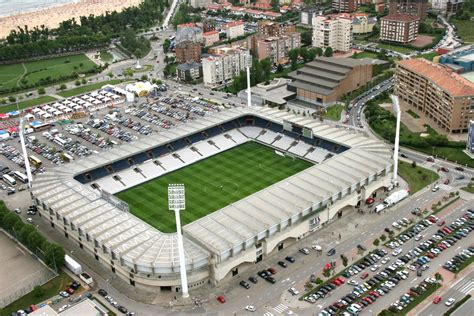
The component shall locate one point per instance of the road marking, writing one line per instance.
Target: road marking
(280, 308)
(414, 280)
(268, 314)
(466, 288)
(20, 250)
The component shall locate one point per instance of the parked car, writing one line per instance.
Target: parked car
(331, 252)
(221, 299)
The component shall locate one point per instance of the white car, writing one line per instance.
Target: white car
(29, 220)
(385, 260)
(396, 225)
(450, 301)
(250, 308)
(396, 252)
(293, 291)
(375, 267)
(18, 211)
(418, 237)
(353, 282)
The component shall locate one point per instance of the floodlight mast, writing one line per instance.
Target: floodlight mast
(396, 106)
(176, 202)
(23, 149)
(249, 93)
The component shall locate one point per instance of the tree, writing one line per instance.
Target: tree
(319, 281)
(307, 37)
(344, 260)
(413, 164)
(35, 240)
(318, 51)
(166, 45)
(383, 237)
(77, 83)
(54, 256)
(327, 273)
(11, 98)
(438, 276)
(328, 52)
(83, 81)
(38, 291)
(266, 66)
(293, 55)
(144, 78)
(376, 242)
(62, 87)
(10, 220)
(41, 91)
(280, 68)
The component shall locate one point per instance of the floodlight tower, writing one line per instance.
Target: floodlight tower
(396, 107)
(23, 149)
(176, 203)
(248, 61)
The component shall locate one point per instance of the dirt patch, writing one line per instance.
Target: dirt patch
(422, 41)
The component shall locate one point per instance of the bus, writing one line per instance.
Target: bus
(9, 179)
(67, 157)
(35, 161)
(21, 176)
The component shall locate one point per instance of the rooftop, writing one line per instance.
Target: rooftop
(440, 75)
(401, 17)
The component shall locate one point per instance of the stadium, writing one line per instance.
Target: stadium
(257, 180)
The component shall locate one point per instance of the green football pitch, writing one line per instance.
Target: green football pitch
(211, 184)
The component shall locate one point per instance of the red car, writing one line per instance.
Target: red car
(368, 300)
(446, 181)
(272, 270)
(444, 169)
(432, 218)
(221, 299)
(430, 159)
(447, 230)
(437, 299)
(336, 282)
(341, 280)
(441, 222)
(370, 201)
(364, 275)
(430, 255)
(442, 246)
(375, 294)
(70, 290)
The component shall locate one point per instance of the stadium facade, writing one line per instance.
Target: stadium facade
(348, 168)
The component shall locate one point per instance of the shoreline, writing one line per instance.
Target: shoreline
(52, 16)
(37, 9)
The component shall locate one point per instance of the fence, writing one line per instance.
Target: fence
(25, 285)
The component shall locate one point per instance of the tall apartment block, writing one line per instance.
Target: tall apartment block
(347, 6)
(399, 28)
(333, 31)
(225, 64)
(435, 92)
(410, 7)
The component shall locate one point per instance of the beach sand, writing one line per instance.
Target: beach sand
(51, 17)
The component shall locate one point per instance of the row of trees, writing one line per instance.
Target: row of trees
(90, 32)
(138, 46)
(52, 254)
(307, 54)
(185, 14)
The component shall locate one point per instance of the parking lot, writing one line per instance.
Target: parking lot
(99, 130)
(392, 277)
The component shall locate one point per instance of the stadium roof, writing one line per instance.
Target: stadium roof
(140, 245)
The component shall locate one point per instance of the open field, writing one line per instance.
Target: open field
(26, 104)
(35, 71)
(464, 29)
(364, 54)
(417, 177)
(333, 112)
(86, 88)
(397, 48)
(211, 184)
(50, 289)
(19, 271)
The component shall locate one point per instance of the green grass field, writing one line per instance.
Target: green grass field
(211, 184)
(364, 55)
(333, 112)
(87, 88)
(26, 104)
(33, 71)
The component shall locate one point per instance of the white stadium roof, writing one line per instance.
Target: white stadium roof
(226, 231)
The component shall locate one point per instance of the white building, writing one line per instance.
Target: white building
(333, 31)
(224, 65)
(200, 3)
(447, 7)
(234, 29)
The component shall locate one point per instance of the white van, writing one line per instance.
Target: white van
(380, 207)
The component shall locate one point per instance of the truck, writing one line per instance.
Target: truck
(72, 265)
(392, 199)
(395, 197)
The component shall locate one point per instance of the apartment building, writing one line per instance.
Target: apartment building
(188, 51)
(333, 31)
(409, 7)
(234, 29)
(325, 80)
(189, 71)
(399, 28)
(200, 3)
(268, 28)
(225, 64)
(447, 7)
(210, 38)
(347, 6)
(308, 14)
(362, 23)
(435, 92)
(276, 47)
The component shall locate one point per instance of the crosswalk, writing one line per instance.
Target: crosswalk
(280, 308)
(465, 286)
(268, 314)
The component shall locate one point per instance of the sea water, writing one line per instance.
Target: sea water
(11, 7)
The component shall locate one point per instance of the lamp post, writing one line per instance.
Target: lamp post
(248, 61)
(176, 203)
(23, 148)
(396, 107)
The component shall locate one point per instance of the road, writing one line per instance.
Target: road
(457, 291)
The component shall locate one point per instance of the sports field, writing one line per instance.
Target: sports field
(33, 71)
(211, 184)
